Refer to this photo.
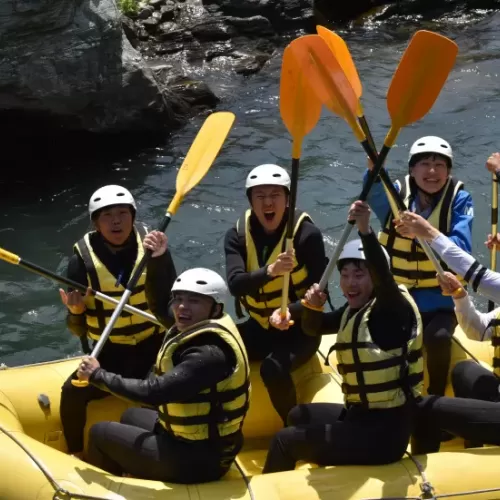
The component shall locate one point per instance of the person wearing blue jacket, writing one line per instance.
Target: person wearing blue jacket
(430, 191)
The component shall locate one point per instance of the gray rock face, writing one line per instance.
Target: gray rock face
(71, 59)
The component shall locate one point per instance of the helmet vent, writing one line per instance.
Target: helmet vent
(98, 199)
(201, 282)
(276, 175)
(253, 177)
(120, 194)
(421, 144)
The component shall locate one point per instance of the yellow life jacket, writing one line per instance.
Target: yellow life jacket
(260, 305)
(495, 341)
(215, 412)
(371, 376)
(129, 328)
(409, 263)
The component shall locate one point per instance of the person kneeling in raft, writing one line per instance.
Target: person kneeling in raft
(200, 392)
(379, 340)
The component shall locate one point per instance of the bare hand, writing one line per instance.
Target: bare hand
(87, 367)
(75, 301)
(283, 264)
(411, 225)
(156, 241)
(315, 297)
(279, 322)
(493, 241)
(360, 213)
(450, 286)
(493, 163)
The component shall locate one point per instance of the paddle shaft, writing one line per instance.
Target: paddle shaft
(378, 163)
(132, 282)
(494, 229)
(289, 229)
(16, 260)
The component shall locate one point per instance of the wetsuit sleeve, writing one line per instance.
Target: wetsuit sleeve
(310, 251)
(461, 221)
(392, 316)
(377, 198)
(475, 324)
(483, 280)
(201, 365)
(76, 271)
(239, 281)
(315, 323)
(160, 278)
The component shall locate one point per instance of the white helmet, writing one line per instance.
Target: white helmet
(354, 250)
(202, 281)
(268, 175)
(110, 195)
(431, 144)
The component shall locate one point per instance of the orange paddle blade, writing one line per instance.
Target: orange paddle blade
(420, 76)
(341, 52)
(327, 78)
(300, 109)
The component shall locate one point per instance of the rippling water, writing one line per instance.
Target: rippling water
(41, 220)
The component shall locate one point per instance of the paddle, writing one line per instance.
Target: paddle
(18, 261)
(199, 159)
(300, 111)
(341, 52)
(415, 86)
(494, 225)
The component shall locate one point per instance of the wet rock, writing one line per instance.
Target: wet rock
(249, 63)
(213, 30)
(193, 92)
(254, 25)
(168, 11)
(71, 64)
(145, 13)
(172, 32)
(156, 4)
(150, 24)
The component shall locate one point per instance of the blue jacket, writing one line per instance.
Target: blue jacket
(431, 299)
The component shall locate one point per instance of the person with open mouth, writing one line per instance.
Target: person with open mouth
(379, 357)
(104, 260)
(255, 264)
(430, 191)
(197, 398)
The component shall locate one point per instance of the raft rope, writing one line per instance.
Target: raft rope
(245, 478)
(428, 490)
(61, 494)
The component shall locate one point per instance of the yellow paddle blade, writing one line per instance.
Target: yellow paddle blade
(300, 109)
(327, 78)
(420, 76)
(201, 154)
(341, 52)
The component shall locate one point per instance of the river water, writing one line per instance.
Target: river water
(41, 218)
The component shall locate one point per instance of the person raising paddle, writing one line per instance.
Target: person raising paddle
(199, 392)
(431, 191)
(378, 349)
(104, 259)
(255, 264)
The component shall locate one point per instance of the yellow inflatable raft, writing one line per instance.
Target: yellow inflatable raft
(34, 466)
